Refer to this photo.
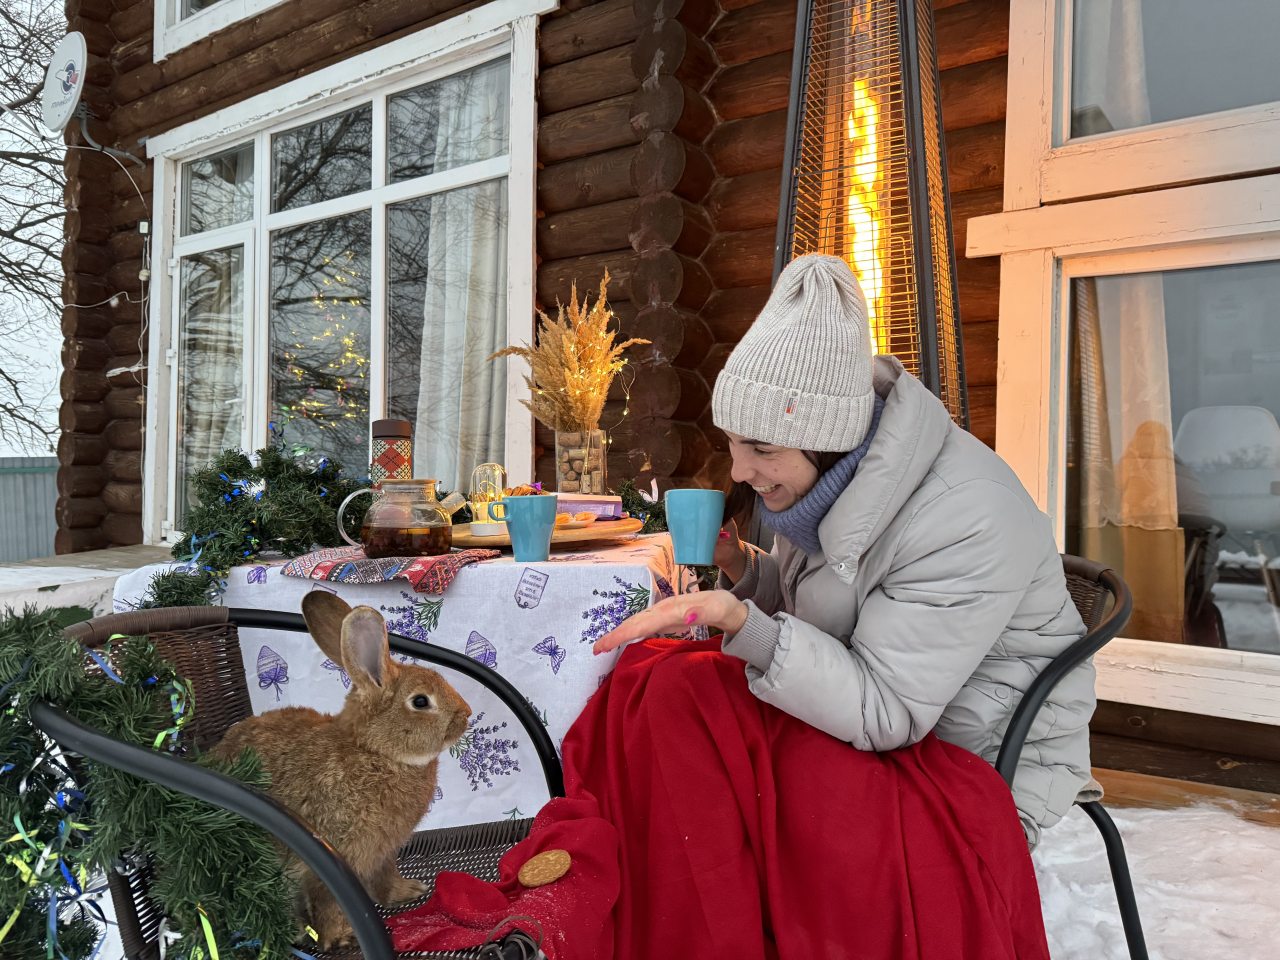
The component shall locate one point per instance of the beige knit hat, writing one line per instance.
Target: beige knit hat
(801, 377)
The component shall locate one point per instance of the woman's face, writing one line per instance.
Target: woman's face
(781, 475)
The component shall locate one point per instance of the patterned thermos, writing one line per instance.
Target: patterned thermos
(392, 451)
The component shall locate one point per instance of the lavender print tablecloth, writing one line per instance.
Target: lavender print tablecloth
(534, 623)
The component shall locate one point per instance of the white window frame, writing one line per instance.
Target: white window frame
(172, 32)
(1044, 165)
(501, 27)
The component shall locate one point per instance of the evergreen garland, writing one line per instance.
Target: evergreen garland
(209, 863)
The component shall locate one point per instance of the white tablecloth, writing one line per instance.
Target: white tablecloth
(534, 623)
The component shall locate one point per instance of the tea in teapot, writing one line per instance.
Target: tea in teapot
(405, 520)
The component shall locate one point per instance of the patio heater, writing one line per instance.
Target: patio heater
(864, 177)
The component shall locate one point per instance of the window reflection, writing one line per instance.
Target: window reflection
(319, 333)
(322, 160)
(1174, 448)
(217, 191)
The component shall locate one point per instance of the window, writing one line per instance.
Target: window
(359, 253)
(179, 23)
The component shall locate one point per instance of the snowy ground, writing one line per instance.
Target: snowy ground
(1206, 883)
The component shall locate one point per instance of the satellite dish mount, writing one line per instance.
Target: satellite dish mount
(63, 85)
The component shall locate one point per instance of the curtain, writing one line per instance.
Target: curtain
(461, 408)
(1127, 484)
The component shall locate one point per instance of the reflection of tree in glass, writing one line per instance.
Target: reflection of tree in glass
(320, 334)
(218, 190)
(322, 160)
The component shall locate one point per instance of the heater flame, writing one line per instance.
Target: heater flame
(866, 249)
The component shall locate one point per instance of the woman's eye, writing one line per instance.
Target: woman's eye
(421, 702)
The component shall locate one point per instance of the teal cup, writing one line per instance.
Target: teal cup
(694, 518)
(530, 522)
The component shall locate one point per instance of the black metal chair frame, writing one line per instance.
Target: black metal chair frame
(1101, 630)
(193, 780)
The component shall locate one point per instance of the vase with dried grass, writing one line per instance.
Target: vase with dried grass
(572, 364)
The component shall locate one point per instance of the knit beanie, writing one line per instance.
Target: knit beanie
(801, 376)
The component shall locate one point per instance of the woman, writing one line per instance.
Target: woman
(913, 588)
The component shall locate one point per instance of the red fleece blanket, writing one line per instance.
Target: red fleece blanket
(704, 823)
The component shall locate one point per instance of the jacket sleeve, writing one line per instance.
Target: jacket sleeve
(761, 580)
(960, 570)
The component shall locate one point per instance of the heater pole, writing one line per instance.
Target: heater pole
(799, 83)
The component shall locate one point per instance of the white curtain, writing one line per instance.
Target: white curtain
(461, 407)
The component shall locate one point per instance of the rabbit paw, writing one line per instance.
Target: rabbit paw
(335, 935)
(402, 889)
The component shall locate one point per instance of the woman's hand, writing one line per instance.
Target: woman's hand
(718, 609)
(730, 555)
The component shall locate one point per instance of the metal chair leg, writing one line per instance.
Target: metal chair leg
(1120, 876)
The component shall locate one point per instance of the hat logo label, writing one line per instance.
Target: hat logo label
(793, 400)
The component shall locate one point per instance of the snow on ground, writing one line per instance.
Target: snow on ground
(1206, 884)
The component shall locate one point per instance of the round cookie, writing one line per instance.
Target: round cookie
(546, 867)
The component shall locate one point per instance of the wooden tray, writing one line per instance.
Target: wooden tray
(600, 530)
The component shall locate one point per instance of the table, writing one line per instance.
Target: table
(532, 622)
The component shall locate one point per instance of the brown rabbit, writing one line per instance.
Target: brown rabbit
(361, 778)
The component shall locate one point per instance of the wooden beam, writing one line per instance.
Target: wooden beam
(965, 206)
(974, 94)
(582, 131)
(756, 31)
(748, 145)
(584, 181)
(1123, 788)
(586, 80)
(598, 27)
(752, 88)
(975, 157)
(972, 32)
(741, 259)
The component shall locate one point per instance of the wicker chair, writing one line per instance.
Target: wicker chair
(202, 644)
(1094, 588)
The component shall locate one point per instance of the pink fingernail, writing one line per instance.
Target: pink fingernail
(724, 534)
(690, 617)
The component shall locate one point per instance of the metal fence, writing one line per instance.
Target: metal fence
(28, 492)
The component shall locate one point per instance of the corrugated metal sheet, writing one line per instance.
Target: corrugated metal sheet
(28, 492)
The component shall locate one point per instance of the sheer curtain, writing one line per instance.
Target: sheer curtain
(1128, 490)
(461, 407)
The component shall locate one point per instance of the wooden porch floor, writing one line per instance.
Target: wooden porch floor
(1123, 789)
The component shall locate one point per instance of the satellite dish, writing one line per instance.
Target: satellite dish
(64, 81)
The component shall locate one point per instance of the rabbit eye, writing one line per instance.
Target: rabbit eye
(421, 702)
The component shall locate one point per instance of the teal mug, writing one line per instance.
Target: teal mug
(694, 519)
(530, 522)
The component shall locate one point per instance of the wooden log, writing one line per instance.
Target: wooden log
(595, 229)
(126, 371)
(748, 145)
(655, 393)
(75, 513)
(667, 164)
(129, 210)
(697, 15)
(669, 48)
(91, 225)
(128, 182)
(85, 354)
(730, 312)
(753, 32)
(82, 416)
(980, 352)
(972, 203)
(126, 244)
(124, 465)
(89, 166)
(667, 277)
(132, 23)
(743, 258)
(746, 202)
(587, 31)
(123, 274)
(653, 441)
(121, 497)
(125, 434)
(577, 82)
(82, 448)
(126, 338)
(556, 277)
(695, 449)
(599, 178)
(1157, 725)
(972, 32)
(131, 55)
(974, 94)
(75, 541)
(125, 403)
(666, 222)
(123, 529)
(982, 414)
(979, 285)
(88, 385)
(697, 339)
(695, 395)
(85, 289)
(715, 361)
(585, 130)
(86, 322)
(752, 88)
(95, 11)
(943, 4)
(975, 157)
(80, 481)
(665, 105)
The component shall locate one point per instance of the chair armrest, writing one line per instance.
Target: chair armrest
(489, 678)
(229, 794)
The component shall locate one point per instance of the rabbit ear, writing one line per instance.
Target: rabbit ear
(324, 613)
(365, 654)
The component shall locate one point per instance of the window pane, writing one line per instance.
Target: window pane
(192, 7)
(319, 332)
(1135, 62)
(447, 313)
(322, 160)
(450, 122)
(1174, 448)
(210, 362)
(217, 191)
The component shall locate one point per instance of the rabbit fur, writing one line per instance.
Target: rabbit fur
(362, 778)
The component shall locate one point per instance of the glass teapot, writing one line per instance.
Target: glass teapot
(405, 520)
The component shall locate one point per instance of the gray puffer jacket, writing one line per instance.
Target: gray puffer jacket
(938, 598)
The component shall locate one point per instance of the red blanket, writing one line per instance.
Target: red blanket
(705, 823)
